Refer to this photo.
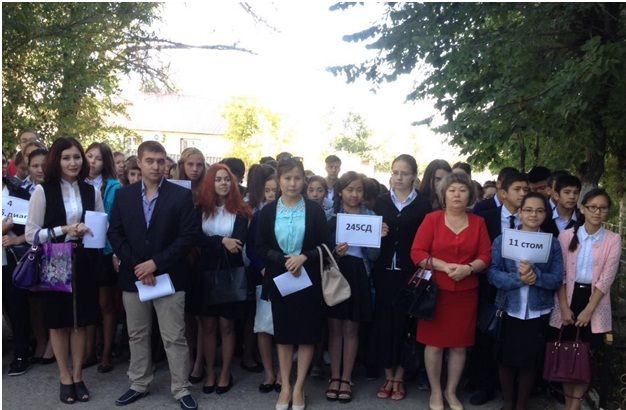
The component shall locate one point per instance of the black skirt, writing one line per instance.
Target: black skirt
(59, 306)
(522, 342)
(358, 308)
(108, 277)
(390, 324)
(580, 299)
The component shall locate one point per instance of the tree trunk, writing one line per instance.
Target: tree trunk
(522, 153)
(536, 151)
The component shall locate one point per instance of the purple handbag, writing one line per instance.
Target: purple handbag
(57, 266)
(27, 271)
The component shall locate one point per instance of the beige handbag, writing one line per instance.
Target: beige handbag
(335, 287)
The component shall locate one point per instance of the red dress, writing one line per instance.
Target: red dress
(454, 323)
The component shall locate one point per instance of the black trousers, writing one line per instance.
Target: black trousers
(16, 305)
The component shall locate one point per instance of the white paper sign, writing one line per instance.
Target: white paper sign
(98, 223)
(288, 284)
(185, 183)
(533, 247)
(163, 287)
(359, 230)
(16, 208)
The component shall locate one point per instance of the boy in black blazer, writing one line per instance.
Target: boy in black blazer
(153, 225)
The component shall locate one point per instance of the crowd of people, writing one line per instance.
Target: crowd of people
(274, 222)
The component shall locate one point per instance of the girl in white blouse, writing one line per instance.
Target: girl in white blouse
(58, 206)
(225, 218)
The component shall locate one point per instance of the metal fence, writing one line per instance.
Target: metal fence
(609, 390)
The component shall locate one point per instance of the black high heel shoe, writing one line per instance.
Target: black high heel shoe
(197, 379)
(266, 388)
(67, 394)
(224, 389)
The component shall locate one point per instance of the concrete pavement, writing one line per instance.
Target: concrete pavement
(39, 389)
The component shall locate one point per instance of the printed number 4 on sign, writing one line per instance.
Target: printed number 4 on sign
(359, 230)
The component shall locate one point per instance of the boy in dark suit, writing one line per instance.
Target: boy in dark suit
(153, 225)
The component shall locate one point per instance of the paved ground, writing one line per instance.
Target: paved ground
(39, 389)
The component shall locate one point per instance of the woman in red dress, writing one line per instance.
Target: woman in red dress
(459, 245)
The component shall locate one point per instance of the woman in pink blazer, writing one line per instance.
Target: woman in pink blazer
(591, 255)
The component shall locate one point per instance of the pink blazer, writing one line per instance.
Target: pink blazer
(606, 257)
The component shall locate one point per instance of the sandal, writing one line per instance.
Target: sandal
(67, 394)
(397, 393)
(332, 394)
(385, 391)
(82, 394)
(345, 396)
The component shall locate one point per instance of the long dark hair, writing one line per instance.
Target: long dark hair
(108, 162)
(52, 170)
(345, 180)
(427, 186)
(573, 244)
(258, 174)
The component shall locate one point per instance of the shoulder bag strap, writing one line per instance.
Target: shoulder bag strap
(330, 255)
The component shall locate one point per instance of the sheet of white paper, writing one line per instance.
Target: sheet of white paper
(533, 247)
(359, 230)
(182, 182)
(98, 223)
(288, 284)
(163, 287)
(16, 208)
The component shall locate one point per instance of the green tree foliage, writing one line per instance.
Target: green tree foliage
(354, 137)
(62, 62)
(516, 83)
(249, 126)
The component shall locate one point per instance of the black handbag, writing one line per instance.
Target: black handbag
(490, 319)
(225, 284)
(418, 299)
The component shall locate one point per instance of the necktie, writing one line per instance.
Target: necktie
(512, 221)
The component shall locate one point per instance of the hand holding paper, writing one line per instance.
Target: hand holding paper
(163, 287)
(97, 223)
(287, 283)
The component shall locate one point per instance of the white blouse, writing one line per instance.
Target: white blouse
(221, 223)
(73, 210)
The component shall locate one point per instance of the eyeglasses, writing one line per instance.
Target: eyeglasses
(593, 209)
(401, 174)
(538, 211)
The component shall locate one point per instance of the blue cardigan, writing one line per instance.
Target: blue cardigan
(112, 185)
(504, 275)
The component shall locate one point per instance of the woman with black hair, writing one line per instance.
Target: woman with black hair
(355, 265)
(526, 294)
(59, 204)
(103, 177)
(290, 229)
(436, 170)
(592, 255)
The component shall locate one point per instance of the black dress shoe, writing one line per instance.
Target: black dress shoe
(481, 397)
(208, 389)
(266, 388)
(224, 389)
(197, 379)
(130, 396)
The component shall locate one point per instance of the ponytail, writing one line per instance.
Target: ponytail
(573, 244)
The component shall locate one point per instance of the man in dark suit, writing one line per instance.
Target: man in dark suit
(512, 190)
(495, 201)
(153, 225)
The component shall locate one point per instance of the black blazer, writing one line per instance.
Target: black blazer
(315, 233)
(485, 205)
(174, 228)
(493, 221)
(214, 254)
(402, 228)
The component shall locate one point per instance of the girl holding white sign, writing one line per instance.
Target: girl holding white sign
(592, 256)
(355, 265)
(526, 295)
